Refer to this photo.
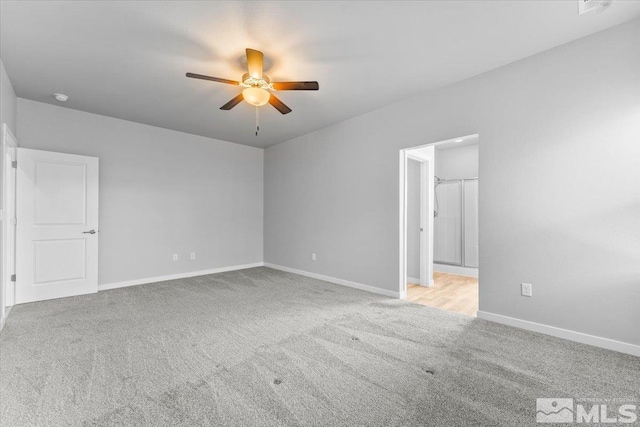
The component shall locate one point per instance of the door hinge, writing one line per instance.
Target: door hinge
(14, 221)
(13, 277)
(14, 164)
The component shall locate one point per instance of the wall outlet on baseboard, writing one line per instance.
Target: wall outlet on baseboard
(193, 255)
(527, 289)
(313, 257)
(175, 257)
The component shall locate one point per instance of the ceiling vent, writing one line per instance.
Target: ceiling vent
(599, 6)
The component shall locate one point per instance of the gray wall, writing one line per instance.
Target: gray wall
(8, 100)
(559, 195)
(457, 163)
(161, 192)
(8, 106)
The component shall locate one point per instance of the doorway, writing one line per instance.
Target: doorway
(439, 248)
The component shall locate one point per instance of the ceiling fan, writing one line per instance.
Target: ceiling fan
(258, 86)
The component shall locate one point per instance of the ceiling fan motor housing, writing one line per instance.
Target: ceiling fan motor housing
(263, 83)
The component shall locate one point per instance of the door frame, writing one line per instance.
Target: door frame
(426, 193)
(8, 151)
(427, 165)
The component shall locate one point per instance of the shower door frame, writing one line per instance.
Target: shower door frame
(463, 259)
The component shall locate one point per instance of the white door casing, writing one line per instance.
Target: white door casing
(57, 209)
(8, 155)
(427, 178)
(9, 230)
(426, 157)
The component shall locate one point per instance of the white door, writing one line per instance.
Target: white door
(57, 230)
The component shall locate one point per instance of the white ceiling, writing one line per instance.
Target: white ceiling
(128, 59)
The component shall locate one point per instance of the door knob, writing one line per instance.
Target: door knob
(89, 232)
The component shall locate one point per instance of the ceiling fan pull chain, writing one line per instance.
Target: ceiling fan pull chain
(257, 121)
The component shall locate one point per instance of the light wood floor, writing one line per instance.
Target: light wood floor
(450, 292)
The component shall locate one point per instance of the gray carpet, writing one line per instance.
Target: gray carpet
(260, 347)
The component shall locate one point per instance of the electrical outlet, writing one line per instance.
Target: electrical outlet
(193, 255)
(313, 257)
(175, 257)
(599, 6)
(527, 289)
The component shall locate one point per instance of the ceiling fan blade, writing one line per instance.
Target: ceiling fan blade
(235, 101)
(255, 60)
(213, 79)
(280, 106)
(296, 86)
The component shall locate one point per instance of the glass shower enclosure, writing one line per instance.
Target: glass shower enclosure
(455, 225)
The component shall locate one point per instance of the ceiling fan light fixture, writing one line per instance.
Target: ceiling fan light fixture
(258, 86)
(256, 96)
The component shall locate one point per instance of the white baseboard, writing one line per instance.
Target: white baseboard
(337, 281)
(135, 282)
(4, 319)
(454, 269)
(580, 337)
(417, 281)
